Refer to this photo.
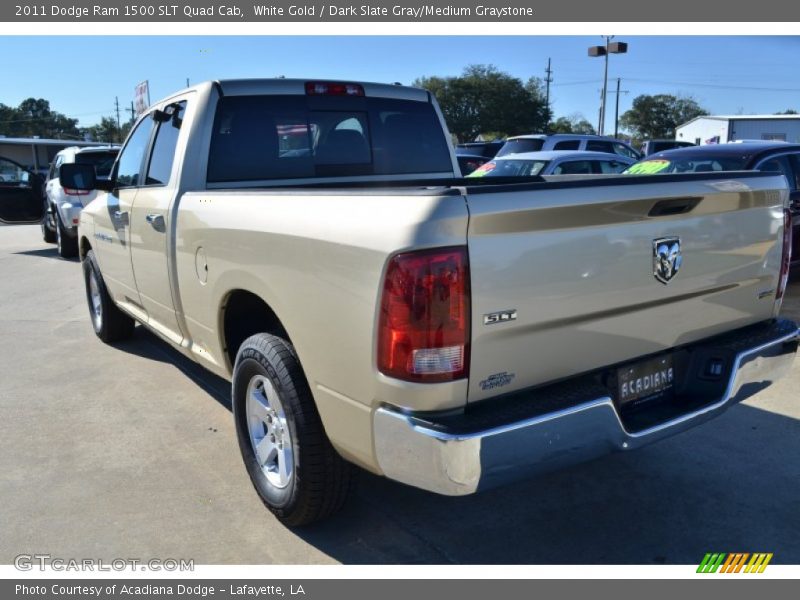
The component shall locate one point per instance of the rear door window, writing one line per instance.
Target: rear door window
(289, 137)
(567, 145)
(574, 167)
(624, 150)
(596, 146)
(521, 145)
(610, 166)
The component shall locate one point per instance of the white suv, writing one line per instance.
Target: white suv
(60, 223)
(567, 141)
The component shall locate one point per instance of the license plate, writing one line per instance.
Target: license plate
(646, 380)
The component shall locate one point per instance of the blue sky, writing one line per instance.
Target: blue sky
(82, 75)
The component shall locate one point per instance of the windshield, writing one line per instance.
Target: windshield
(102, 161)
(686, 165)
(510, 168)
(521, 145)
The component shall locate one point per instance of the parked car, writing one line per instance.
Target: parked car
(21, 193)
(652, 146)
(486, 149)
(370, 308)
(469, 162)
(64, 205)
(567, 141)
(554, 162)
(760, 155)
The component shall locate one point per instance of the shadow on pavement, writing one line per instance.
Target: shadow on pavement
(46, 253)
(148, 345)
(730, 485)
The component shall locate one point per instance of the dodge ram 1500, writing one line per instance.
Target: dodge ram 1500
(313, 242)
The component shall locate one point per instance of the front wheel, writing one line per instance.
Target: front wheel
(110, 324)
(293, 466)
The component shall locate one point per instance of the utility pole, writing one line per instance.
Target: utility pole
(187, 82)
(132, 110)
(119, 125)
(548, 80)
(616, 112)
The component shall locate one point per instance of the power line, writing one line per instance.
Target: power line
(713, 85)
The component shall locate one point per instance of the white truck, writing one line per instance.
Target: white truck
(311, 241)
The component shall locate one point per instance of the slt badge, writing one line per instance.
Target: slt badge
(667, 258)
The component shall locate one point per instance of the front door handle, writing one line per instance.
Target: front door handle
(121, 216)
(156, 221)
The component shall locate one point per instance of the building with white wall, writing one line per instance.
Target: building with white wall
(719, 129)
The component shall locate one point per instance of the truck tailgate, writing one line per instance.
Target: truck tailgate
(563, 274)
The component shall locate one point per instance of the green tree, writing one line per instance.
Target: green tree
(107, 131)
(788, 111)
(658, 116)
(572, 124)
(34, 117)
(484, 99)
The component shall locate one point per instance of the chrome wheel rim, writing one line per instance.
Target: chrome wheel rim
(95, 302)
(269, 432)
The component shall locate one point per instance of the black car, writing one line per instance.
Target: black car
(469, 162)
(486, 149)
(652, 146)
(21, 193)
(776, 157)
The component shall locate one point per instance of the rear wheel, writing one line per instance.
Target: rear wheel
(49, 226)
(109, 322)
(67, 245)
(293, 466)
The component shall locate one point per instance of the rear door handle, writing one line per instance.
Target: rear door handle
(156, 221)
(120, 214)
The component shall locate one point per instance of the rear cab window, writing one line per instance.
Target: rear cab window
(297, 136)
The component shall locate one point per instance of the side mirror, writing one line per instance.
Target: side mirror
(81, 177)
(794, 198)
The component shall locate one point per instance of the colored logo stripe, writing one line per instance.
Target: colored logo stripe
(711, 563)
(734, 562)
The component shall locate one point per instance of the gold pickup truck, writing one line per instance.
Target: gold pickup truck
(314, 242)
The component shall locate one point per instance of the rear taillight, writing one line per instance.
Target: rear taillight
(425, 315)
(71, 192)
(325, 88)
(786, 256)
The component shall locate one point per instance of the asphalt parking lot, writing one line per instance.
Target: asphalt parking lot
(130, 451)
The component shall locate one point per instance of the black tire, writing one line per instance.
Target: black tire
(48, 226)
(109, 322)
(321, 480)
(67, 245)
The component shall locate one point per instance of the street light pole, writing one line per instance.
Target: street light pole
(604, 51)
(605, 91)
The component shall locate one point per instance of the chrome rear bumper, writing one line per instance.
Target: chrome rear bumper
(463, 460)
